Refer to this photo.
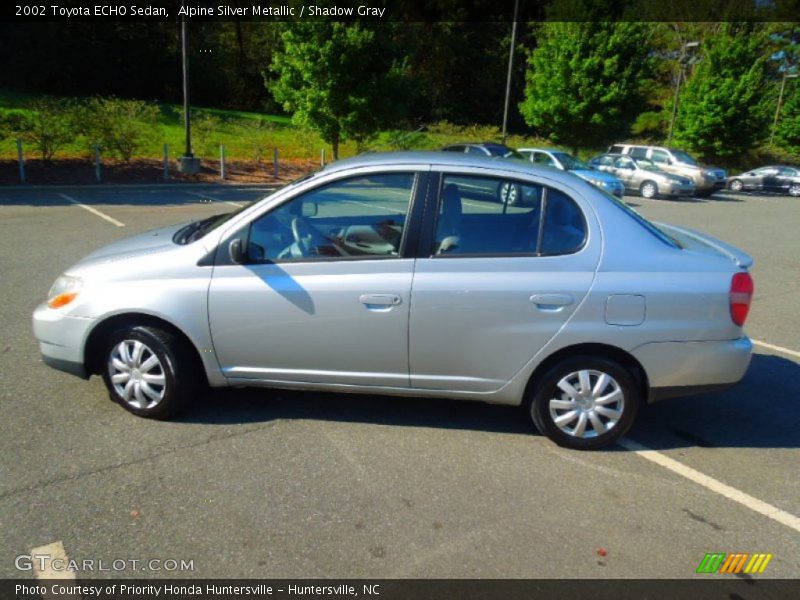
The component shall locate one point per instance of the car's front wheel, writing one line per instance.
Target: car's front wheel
(794, 190)
(736, 185)
(648, 189)
(148, 371)
(585, 402)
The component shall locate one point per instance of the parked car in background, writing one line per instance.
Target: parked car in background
(777, 178)
(641, 176)
(483, 149)
(707, 180)
(375, 275)
(507, 193)
(566, 162)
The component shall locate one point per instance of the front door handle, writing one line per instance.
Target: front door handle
(551, 301)
(380, 299)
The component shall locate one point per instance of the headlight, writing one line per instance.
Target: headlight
(64, 291)
(598, 182)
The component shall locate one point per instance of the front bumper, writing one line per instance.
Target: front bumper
(683, 368)
(61, 339)
(681, 189)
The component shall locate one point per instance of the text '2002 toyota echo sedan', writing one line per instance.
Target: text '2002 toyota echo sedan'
(403, 273)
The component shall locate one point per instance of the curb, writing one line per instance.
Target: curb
(136, 186)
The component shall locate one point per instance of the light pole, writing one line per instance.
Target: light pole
(510, 68)
(786, 75)
(687, 58)
(186, 163)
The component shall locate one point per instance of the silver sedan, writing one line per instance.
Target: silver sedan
(397, 274)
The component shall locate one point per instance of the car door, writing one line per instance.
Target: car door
(625, 169)
(323, 294)
(494, 283)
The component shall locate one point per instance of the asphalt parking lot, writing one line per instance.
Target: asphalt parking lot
(276, 484)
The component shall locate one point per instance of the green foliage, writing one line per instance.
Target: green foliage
(48, 126)
(787, 134)
(345, 81)
(585, 81)
(722, 111)
(121, 128)
(205, 129)
(650, 125)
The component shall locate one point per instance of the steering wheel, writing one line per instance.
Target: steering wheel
(309, 239)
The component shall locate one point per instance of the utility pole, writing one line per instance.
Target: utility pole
(786, 75)
(510, 69)
(187, 163)
(685, 59)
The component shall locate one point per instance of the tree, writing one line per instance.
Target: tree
(585, 81)
(722, 112)
(344, 80)
(787, 134)
(121, 127)
(49, 126)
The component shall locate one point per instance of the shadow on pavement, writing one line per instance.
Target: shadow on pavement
(763, 411)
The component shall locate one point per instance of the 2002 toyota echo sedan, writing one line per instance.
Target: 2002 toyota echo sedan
(405, 274)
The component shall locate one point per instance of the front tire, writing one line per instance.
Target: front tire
(794, 190)
(648, 189)
(148, 371)
(585, 402)
(736, 185)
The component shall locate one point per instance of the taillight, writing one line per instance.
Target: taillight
(740, 297)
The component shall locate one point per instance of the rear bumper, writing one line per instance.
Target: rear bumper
(61, 339)
(683, 368)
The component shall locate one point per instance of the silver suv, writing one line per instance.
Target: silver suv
(402, 274)
(707, 180)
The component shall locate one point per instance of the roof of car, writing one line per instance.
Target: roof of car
(370, 159)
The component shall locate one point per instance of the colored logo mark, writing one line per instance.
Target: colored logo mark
(736, 562)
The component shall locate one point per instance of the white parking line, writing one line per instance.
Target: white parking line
(43, 569)
(746, 500)
(209, 198)
(776, 348)
(94, 211)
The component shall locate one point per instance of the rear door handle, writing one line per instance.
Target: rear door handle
(551, 301)
(380, 299)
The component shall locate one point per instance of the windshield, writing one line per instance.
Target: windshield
(681, 156)
(570, 162)
(197, 229)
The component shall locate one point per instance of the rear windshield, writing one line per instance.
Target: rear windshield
(681, 156)
(659, 233)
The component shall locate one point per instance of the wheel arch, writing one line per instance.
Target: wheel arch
(92, 358)
(625, 359)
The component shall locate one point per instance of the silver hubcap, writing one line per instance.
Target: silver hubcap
(648, 190)
(736, 186)
(795, 190)
(136, 374)
(587, 404)
(508, 193)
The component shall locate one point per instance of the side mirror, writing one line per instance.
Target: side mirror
(235, 251)
(310, 208)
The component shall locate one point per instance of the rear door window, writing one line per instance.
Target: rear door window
(638, 152)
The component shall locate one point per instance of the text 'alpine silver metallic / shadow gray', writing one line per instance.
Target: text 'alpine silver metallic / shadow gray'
(412, 274)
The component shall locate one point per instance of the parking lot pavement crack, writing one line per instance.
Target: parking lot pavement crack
(107, 468)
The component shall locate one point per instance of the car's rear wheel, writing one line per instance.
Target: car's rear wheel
(648, 189)
(585, 402)
(148, 371)
(736, 185)
(509, 193)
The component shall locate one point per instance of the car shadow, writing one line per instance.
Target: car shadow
(763, 411)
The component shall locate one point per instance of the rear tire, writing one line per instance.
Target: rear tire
(584, 419)
(149, 371)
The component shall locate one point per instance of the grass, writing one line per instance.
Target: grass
(253, 136)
